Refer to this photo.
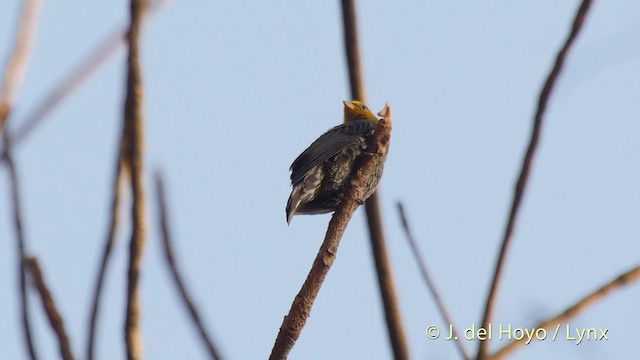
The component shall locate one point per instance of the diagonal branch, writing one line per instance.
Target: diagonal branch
(177, 279)
(430, 283)
(19, 57)
(354, 193)
(81, 73)
(624, 279)
(526, 167)
(55, 320)
(133, 131)
(395, 331)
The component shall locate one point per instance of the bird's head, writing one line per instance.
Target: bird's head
(355, 110)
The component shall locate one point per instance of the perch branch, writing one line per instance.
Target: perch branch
(294, 322)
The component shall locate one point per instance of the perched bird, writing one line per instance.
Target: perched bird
(320, 173)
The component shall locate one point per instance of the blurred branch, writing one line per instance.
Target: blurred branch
(624, 279)
(71, 82)
(18, 58)
(106, 256)
(49, 306)
(168, 252)
(12, 79)
(133, 132)
(429, 281)
(526, 167)
(82, 72)
(354, 193)
(20, 240)
(78, 76)
(374, 221)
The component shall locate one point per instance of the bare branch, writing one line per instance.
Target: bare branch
(177, 279)
(624, 279)
(21, 246)
(79, 74)
(106, 256)
(133, 132)
(71, 82)
(526, 167)
(107, 48)
(55, 320)
(17, 62)
(294, 322)
(395, 330)
(13, 75)
(429, 281)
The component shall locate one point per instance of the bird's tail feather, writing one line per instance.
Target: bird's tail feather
(293, 203)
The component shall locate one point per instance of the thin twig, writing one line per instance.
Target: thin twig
(55, 320)
(354, 193)
(19, 57)
(71, 82)
(426, 276)
(89, 66)
(526, 167)
(21, 246)
(177, 279)
(556, 321)
(79, 74)
(11, 82)
(133, 131)
(386, 285)
(106, 256)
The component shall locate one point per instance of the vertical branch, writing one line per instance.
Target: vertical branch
(364, 169)
(106, 255)
(177, 279)
(395, 330)
(133, 155)
(352, 50)
(11, 81)
(21, 253)
(55, 320)
(526, 166)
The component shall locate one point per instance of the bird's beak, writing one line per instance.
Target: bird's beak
(348, 105)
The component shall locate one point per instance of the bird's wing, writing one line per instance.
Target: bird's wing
(327, 146)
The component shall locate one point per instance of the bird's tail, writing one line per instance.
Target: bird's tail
(293, 203)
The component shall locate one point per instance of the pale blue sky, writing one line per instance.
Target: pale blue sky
(235, 91)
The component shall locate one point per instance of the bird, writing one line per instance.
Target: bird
(319, 174)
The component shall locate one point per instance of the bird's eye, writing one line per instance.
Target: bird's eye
(364, 107)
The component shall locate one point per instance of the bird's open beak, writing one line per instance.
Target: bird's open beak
(348, 105)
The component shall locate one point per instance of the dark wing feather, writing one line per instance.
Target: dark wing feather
(327, 146)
